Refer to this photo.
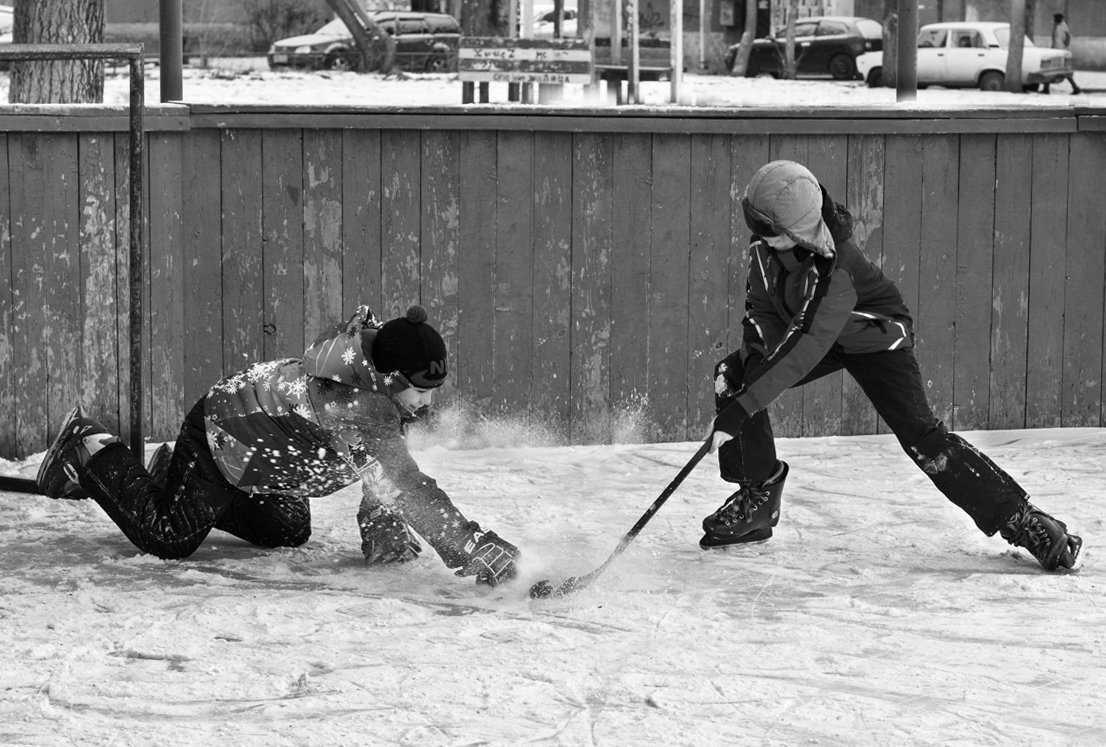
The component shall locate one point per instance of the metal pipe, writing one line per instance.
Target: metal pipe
(171, 51)
(906, 82)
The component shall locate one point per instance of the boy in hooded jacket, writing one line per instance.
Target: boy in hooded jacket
(262, 441)
(816, 305)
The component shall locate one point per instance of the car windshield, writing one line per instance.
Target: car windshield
(334, 28)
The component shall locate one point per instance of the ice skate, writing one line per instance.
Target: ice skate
(58, 475)
(748, 515)
(1046, 538)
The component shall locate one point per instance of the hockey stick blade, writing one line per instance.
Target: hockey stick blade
(544, 589)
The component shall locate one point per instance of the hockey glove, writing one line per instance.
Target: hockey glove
(490, 559)
(385, 538)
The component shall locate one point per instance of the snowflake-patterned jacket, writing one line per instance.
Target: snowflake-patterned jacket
(314, 425)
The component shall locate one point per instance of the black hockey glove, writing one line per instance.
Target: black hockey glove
(385, 538)
(490, 559)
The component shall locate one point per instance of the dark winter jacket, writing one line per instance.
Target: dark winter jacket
(313, 425)
(799, 305)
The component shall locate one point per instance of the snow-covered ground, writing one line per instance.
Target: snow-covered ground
(876, 615)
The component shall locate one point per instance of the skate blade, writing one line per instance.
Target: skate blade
(711, 542)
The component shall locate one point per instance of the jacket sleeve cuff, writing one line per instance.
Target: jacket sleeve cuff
(731, 419)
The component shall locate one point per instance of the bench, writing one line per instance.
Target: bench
(654, 62)
(486, 60)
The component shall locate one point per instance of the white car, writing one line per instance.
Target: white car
(544, 16)
(6, 21)
(972, 55)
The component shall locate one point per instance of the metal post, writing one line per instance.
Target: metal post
(135, 275)
(172, 50)
(907, 68)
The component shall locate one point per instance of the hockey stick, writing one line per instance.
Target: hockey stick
(544, 589)
(8, 483)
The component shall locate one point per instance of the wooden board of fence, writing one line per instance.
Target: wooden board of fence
(586, 272)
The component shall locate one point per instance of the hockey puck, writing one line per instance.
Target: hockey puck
(541, 590)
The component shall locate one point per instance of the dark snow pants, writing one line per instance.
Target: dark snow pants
(893, 383)
(172, 520)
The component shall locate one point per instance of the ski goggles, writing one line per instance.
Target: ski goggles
(759, 223)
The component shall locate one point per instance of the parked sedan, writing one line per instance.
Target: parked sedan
(972, 55)
(824, 45)
(424, 41)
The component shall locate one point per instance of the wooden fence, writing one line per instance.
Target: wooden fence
(580, 264)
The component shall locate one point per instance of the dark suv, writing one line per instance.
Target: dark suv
(824, 45)
(424, 42)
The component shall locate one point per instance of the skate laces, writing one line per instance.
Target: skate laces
(1028, 528)
(743, 504)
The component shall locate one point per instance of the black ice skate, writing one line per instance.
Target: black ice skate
(58, 474)
(1045, 537)
(748, 515)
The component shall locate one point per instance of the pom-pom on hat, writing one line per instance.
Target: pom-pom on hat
(411, 346)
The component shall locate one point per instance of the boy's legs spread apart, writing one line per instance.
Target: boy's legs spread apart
(892, 381)
(966, 476)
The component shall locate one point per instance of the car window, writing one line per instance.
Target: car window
(413, 26)
(932, 38)
(869, 29)
(832, 28)
(1003, 36)
(801, 29)
(443, 25)
(966, 39)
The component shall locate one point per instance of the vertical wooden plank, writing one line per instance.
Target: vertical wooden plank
(1045, 324)
(282, 229)
(476, 280)
(206, 269)
(1010, 287)
(243, 301)
(100, 338)
(169, 311)
(631, 174)
(514, 287)
(441, 241)
(401, 162)
(30, 416)
(787, 411)
(864, 199)
(552, 221)
(322, 231)
(591, 287)
(45, 283)
(361, 220)
(669, 257)
(935, 299)
(714, 259)
(827, 159)
(9, 447)
(1083, 300)
(974, 255)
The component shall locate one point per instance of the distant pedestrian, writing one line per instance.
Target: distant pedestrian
(1061, 39)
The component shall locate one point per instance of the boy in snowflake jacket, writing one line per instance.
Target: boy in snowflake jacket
(815, 305)
(252, 452)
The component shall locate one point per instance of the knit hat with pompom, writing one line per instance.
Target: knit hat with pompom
(411, 346)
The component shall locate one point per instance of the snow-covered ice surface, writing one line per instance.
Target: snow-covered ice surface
(877, 614)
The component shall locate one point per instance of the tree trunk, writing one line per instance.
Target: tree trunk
(789, 65)
(890, 45)
(485, 18)
(1016, 52)
(377, 47)
(741, 62)
(60, 81)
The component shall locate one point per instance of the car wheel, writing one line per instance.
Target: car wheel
(875, 77)
(437, 64)
(339, 62)
(751, 70)
(992, 81)
(842, 67)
